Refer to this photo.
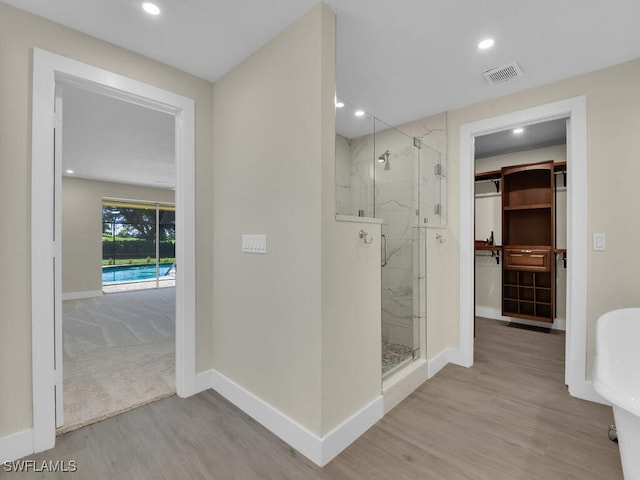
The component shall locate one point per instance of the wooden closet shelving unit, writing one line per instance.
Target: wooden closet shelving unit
(528, 237)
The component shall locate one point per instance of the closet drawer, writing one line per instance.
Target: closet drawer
(532, 259)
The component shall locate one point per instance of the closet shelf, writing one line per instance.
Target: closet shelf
(485, 176)
(495, 248)
(532, 302)
(532, 206)
(515, 285)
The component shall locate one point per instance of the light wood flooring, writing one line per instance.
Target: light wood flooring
(508, 417)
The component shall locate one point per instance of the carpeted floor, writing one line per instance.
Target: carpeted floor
(119, 353)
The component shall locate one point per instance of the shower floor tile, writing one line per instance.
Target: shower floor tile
(393, 354)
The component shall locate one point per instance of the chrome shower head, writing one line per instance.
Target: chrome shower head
(384, 158)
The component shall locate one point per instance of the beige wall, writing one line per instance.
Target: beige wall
(82, 227)
(613, 116)
(275, 328)
(489, 218)
(19, 33)
(351, 280)
(300, 326)
(267, 179)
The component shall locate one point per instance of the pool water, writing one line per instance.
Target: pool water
(133, 273)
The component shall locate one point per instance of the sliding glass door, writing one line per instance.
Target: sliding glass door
(138, 244)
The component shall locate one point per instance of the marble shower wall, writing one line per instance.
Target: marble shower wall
(343, 176)
(354, 175)
(432, 133)
(355, 168)
(404, 196)
(396, 203)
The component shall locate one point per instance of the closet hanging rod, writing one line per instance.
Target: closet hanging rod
(494, 254)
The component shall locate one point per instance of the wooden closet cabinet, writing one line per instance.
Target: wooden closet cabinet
(528, 237)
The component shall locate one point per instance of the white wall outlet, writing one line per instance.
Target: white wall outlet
(254, 243)
(599, 241)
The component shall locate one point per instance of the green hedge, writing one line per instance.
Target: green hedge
(138, 248)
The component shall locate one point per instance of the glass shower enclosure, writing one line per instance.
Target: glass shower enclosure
(385, 173)
(396, 201)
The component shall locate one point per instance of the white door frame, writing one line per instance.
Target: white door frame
(47, 68)
(575, 110)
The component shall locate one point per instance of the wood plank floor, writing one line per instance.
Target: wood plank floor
(508, 417)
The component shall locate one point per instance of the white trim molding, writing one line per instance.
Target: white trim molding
(15, 446)
(81, 295)
(204, 380)
(575, 111)
(440, 361)
(320, 450)
(49, 68)
(404, 383)
(348, 431)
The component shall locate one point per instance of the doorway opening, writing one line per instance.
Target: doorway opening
(118, 350)
(520, 240)
(575, 110)
(48, 70)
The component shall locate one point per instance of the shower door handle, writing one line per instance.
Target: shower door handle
(384, 250)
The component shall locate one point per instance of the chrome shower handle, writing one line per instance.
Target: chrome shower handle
(384, 250)
(363, 235)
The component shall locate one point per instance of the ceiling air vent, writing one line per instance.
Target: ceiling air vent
(503, 73)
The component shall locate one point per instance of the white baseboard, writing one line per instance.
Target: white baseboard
(204, 381)
(79, 295)
(495, 314)
(399, 386)
(16, 445)
(458, 357)
(440, 361)
(585, 391)
(348, 431)
(320, 450)
(303, 440)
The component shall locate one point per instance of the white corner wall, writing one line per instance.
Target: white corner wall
(297, 330)
(351, 289)
(267, 310)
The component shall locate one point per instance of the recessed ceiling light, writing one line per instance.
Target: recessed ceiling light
(70, 172)
(339, 104)
(486, 43)
(518, 130)
(359, 113)
(151, 8)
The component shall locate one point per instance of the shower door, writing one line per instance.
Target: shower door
(396, 203)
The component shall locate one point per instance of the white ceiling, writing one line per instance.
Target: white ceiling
(108, 139)
(539, 135)
(399, 60)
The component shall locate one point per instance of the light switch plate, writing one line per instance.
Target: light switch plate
(254, 243)
(599, 241)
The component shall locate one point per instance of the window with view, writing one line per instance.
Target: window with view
(138, 244)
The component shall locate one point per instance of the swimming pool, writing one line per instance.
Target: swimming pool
(133, 273)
